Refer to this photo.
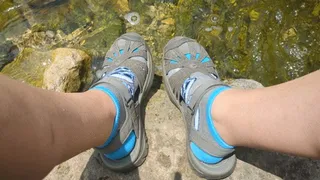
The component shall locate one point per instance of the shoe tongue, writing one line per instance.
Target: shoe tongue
(127, 78)
(192, 85)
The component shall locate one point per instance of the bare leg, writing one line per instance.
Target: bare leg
(284, 118)
(40, 129)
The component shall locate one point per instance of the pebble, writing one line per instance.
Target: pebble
(217, 28)
(254, 15)
(215, 18)
(279, 16)
(133, 18)
(208, 29)
(50, 34)
(169, 21)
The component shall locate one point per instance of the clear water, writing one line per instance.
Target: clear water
(271, 41)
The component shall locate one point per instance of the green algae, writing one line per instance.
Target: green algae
(106, 28)
(269, 41)
(316, 10)
(7, 15)
(28, 67)
(254, 15)
(31, 67)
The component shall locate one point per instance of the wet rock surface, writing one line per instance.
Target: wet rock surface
(62, 69)
(167, 158)
(68, 71)
(29, 66)
(8, 51)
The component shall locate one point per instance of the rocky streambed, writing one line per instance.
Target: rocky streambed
(269, 41)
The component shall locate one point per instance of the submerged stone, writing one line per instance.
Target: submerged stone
(169, 21)
(316, 10)
(8, 13)
(133, 18)
(50, 34)
(254, 15)
(215, 18)
(122, 6)
(8, 51)
(43, 3)
(216, 30)
(289, 33)
(279, 16)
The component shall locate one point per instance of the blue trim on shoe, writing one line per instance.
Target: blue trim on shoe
(203, 156)
(197, 56)
(116, 119)
(211, 127)
(173, 62)
(135, 50)
(206, 59)
(188, 56)
(125, 149)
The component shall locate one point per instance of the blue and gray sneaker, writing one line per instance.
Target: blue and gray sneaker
(126, 76)
(192, 84)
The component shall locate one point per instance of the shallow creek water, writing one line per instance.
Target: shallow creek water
(271, 41)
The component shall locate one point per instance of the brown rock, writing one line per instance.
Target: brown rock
(68, 70)
(62, 70)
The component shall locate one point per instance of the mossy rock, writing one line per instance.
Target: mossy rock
(6, 15)
(8, 52)
(29, 66)
(69, 71)
(62, 69)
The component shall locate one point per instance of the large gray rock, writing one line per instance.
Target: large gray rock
(167, 158)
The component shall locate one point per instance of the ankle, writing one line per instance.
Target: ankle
(101, 115)
(222, 107)
(104, 102)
